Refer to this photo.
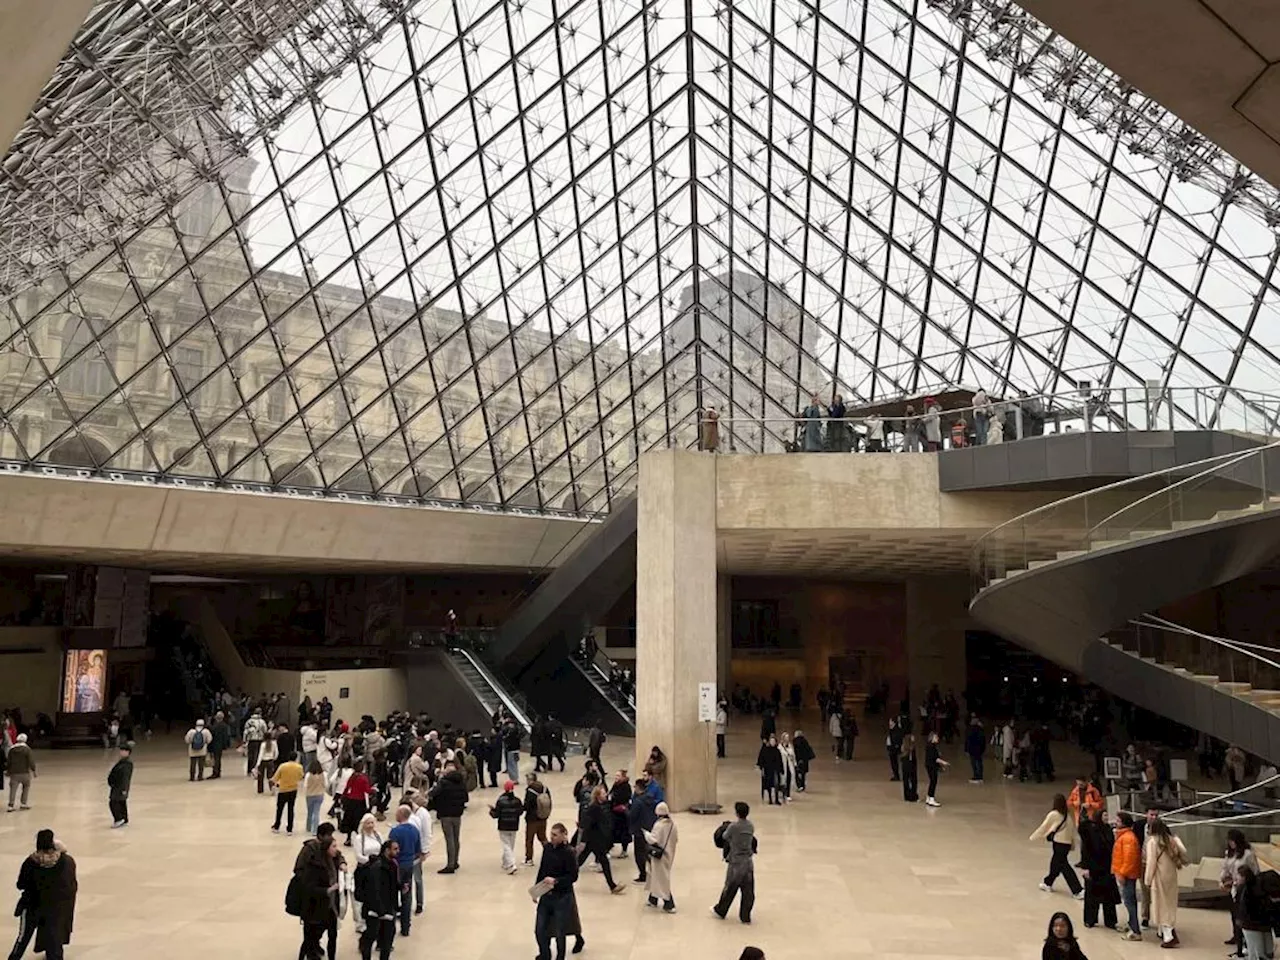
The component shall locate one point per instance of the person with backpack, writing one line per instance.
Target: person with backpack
(198, 740)
(537, 811)
(380, 891)
(507, 810)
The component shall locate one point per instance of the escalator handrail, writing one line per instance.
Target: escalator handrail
(517, 711)
(603, 688)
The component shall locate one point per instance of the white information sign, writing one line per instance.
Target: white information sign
(706, 702)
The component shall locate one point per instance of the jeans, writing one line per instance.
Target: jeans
(384, 932)
(1129, 896)
(980, 421)
(513, 765)
(313, 812)
(1060, 865)
(406, 901)
(196, 765)
(532, 829)
(451, 827)
(738, 878)
(976, 763)
(307, 758)
(551, 919)
(1259, 944)
(417, 888)
(285, 800)
(119, 807)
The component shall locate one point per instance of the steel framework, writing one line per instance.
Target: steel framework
(489, 251)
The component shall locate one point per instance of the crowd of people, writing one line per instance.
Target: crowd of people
(822, 427)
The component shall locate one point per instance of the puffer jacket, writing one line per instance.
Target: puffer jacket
(449, 798)
(507, 810)
(1126, 858)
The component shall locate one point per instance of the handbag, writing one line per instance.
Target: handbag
(656, 852)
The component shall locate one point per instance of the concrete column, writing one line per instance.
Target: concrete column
(676, 606)
(724, 633)
(937, 617)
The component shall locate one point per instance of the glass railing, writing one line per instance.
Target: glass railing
(1154, 503)
(1020, 417)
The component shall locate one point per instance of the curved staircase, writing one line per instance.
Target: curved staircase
(1059, 579)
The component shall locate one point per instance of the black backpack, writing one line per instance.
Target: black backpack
(294, 897)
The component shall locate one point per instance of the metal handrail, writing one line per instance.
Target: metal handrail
(1155, 493)
(1084, 403)
(604, 679)
(1150, 620)
(1021, 519)
(1223, 796)
(517, 711)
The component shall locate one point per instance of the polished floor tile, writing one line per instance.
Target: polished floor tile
(847, 870)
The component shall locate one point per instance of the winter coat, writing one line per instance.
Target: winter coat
(1162, 877)
(449, 798)
(657, 770)
(20, 760)
(470, 772)
(804, 752)
(206, 738)
(507, 810)
(1126, 858)
(47, 891)
(120, 777)
(596, 828)
(378, 888)
(221, 733)
(1084, 802)
(769, 760)
(1096, 843)
(315, 872)
(1060, 825)
(641, 815)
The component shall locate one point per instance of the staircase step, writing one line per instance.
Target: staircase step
(1140, 534)
(1235, 686)
(1068, 554)
(1105, 544)
(1206, 678)
(1259, 695)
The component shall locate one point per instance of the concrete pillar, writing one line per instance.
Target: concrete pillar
(937, 617)
(724, 633)
(676, 607)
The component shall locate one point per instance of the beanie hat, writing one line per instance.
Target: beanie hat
(509, 786)
(44, 840)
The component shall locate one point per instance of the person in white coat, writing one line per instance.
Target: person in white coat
(366, 846)
(420, 817)
(309, 741)
(198, 741)
(1008, 748)
(788, 766)
(662, 841)
(834, 728)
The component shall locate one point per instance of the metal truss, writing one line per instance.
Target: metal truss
(490, 251)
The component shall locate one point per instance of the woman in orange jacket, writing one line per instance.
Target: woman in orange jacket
(1126, 865)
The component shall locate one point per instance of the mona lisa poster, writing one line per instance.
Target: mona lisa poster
(84, 681)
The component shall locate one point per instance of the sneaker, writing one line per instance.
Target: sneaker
(10, 810)
(1130, 935)
(640, 880)
(25, 806)
(669, 908)
(975, 781)
(930, 802)
(528, 863)
(275, 829)
(717, 914)
(617, 889)
(513, 871)
(1045, 887)
(117, 825)
(651, 902)
(1078, 895)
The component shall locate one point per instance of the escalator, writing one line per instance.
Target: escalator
(532, 647)
(488, 691)
(1066, 581)
(623, 705)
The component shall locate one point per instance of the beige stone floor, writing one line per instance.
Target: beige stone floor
(848, 870)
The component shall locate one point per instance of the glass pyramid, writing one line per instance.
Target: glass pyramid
(490, 252)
